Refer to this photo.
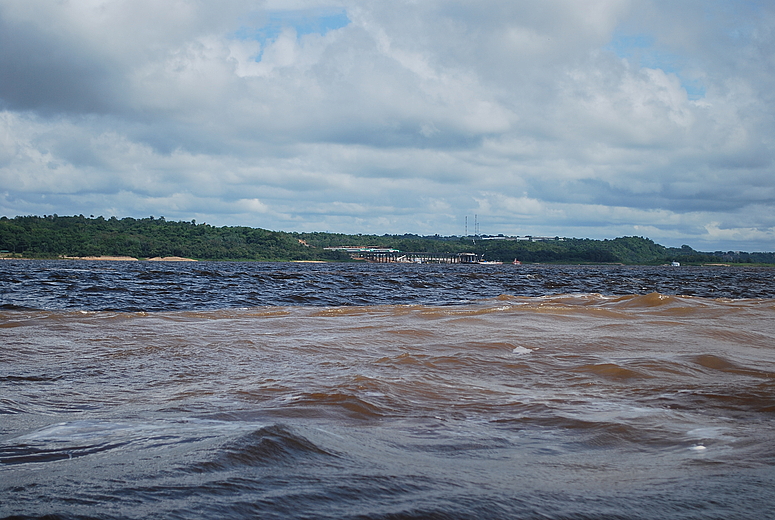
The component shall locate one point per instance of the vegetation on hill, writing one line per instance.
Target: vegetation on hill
(52, 236)
(55, 236)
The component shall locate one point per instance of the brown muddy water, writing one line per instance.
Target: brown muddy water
(468, 396)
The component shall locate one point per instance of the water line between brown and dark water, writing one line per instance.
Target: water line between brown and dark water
(391, 392)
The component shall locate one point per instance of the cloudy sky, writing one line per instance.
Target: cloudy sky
(595, 119)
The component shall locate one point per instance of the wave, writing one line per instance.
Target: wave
(505, 406)
(64, 441)
(76, 439)
(134, 287)
(271, 445)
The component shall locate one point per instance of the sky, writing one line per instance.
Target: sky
(593, 119)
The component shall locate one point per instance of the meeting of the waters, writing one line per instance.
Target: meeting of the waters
(385, 391)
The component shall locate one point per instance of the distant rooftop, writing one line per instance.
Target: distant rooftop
(526, 238)
(362, 249)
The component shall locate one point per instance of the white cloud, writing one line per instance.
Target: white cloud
(560, 118)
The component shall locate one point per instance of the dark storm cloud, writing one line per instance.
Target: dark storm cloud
(43, 73)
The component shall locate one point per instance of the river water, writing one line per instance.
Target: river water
(361, 391)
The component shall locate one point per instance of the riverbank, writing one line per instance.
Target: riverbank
(107, 258)
(170, 259)
(57, 236)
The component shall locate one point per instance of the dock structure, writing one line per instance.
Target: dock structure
(419, 258)
(385, 256)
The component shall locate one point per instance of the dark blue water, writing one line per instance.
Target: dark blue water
(166, 286)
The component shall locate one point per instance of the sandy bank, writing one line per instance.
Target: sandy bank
(170, 259)
(114, 258)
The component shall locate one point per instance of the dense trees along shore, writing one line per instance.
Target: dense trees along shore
(53, 236)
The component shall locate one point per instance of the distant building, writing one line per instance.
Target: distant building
(362, 249)
(526, 238)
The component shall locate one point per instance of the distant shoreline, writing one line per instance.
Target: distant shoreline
(106, 258)
(170, 259)
(53, 236)
(102, 257)
(109, 258)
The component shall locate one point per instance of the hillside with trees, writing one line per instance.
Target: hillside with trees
(54, 236)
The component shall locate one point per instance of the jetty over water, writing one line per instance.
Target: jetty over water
(384, 256)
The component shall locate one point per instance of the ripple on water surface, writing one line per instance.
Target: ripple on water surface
(449, 397)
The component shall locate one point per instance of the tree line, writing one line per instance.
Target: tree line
(53, 236)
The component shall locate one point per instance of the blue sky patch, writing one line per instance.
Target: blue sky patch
(304, 22)
(640, 49)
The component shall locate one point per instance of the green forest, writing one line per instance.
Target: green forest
(53, 236)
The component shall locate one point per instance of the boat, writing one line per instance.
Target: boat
(516, 262)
